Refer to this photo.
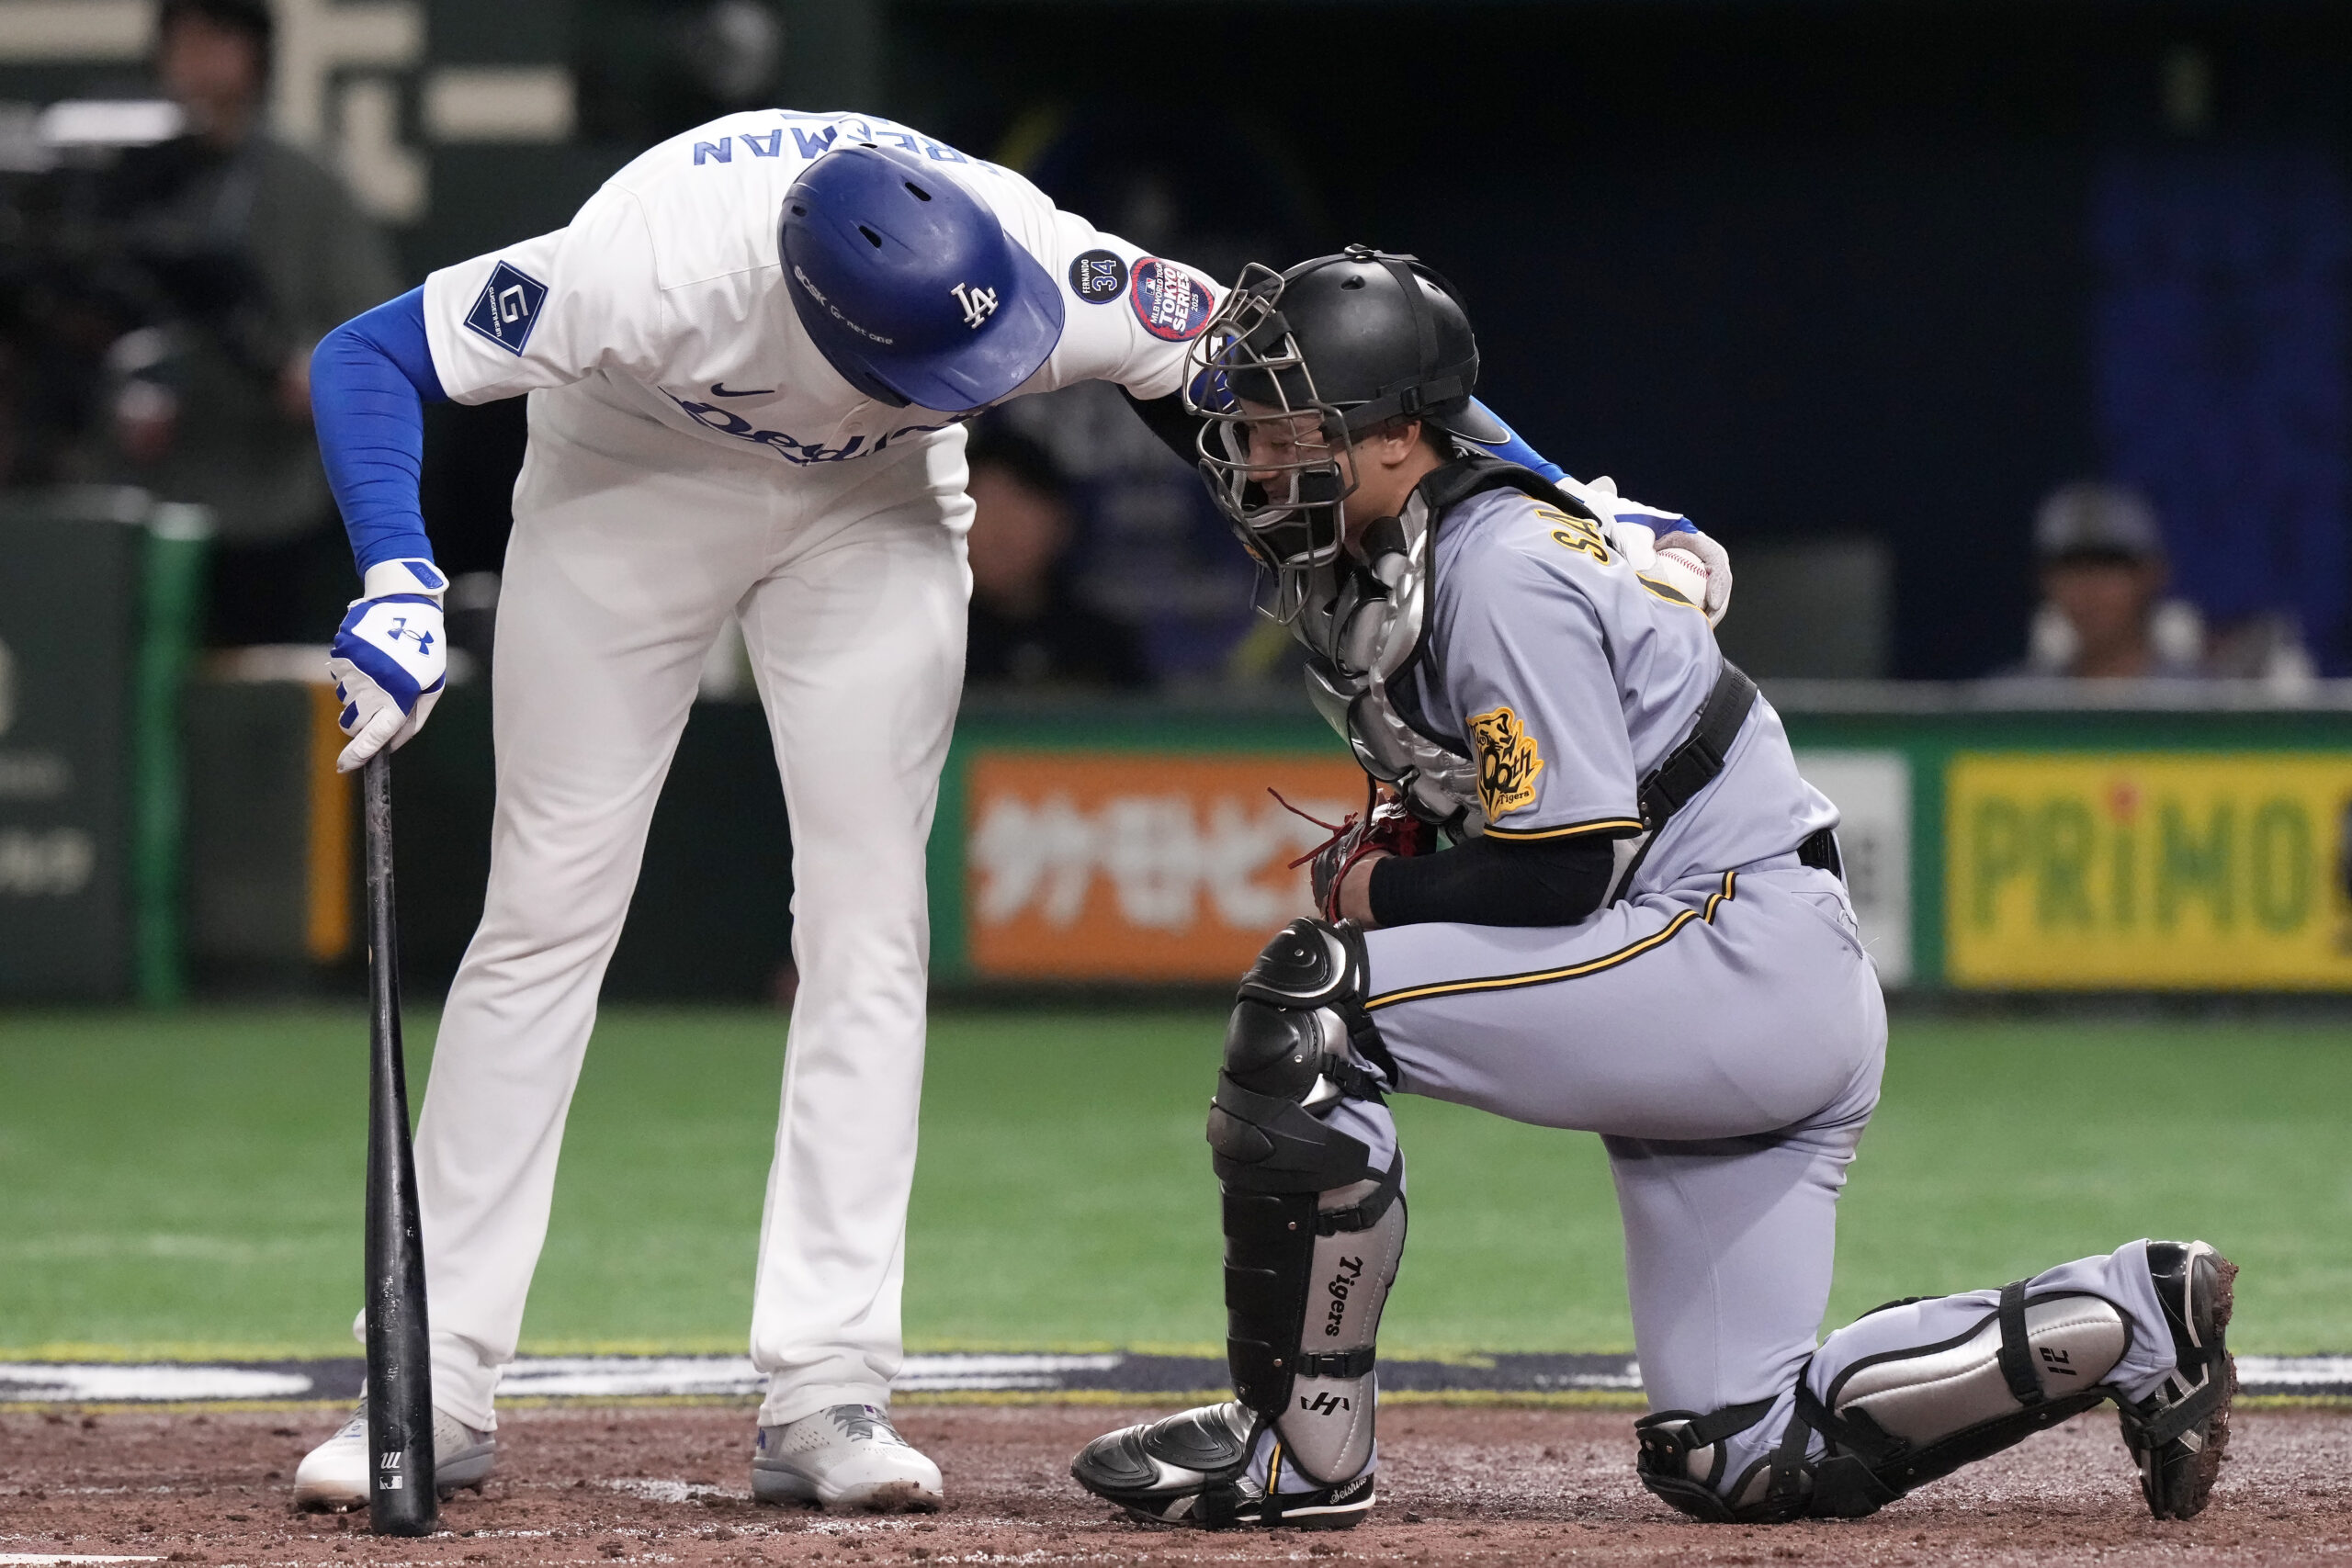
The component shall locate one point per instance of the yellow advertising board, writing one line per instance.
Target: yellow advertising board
(1133, 865)
(2176, 871)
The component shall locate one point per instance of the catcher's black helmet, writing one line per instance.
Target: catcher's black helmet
(1337, 345)
(1380, 336)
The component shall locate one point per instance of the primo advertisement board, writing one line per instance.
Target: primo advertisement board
(2128, 871)
(2083, 851)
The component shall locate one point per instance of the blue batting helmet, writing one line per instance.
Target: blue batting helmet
(910, 286)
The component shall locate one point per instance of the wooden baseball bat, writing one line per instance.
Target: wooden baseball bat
(401, 1495)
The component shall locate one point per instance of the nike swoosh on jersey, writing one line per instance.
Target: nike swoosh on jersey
(720, 389)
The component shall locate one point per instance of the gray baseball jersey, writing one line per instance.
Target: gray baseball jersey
(1720, 1024)
(1570, 675)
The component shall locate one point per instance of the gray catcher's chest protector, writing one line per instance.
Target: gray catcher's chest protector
(1369, 625)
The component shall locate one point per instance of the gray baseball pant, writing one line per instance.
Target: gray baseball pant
(1725, 1037)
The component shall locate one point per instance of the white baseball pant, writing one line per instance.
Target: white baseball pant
(628, 556)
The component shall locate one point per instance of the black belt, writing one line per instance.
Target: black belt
(1819, 851)
(1692, 766)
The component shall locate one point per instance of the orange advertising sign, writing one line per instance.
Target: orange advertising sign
(1136, 865)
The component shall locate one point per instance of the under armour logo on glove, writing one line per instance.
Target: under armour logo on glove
(979, 304)
(389, 660)
(422, 636)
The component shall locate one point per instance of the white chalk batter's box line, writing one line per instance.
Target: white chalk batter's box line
(618, 1377)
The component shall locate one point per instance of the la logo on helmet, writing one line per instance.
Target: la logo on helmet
(979, 304)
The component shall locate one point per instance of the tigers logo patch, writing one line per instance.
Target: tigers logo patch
(1508, 761)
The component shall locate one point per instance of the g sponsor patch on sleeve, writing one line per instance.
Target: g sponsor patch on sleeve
(1169, 302)
(1098, 277)
(1508, 761)
(507, 308)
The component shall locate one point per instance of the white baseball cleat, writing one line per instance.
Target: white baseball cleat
(847, 1456)
(333, 1476)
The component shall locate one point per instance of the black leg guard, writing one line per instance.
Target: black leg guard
(1894, 1421)
(1682, 1459)
(1311, 1228)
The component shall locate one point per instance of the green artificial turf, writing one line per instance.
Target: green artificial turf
(191, 1184)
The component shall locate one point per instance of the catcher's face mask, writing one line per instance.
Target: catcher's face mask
(1276, 455)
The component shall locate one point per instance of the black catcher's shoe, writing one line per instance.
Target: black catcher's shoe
(1194, 1469)
(2179, 1435)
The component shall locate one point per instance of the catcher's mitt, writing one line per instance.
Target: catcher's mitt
(1384, 828)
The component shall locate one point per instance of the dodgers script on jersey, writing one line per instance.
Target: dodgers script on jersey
(663, 300)
(1569, 675)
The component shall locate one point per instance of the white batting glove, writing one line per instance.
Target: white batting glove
(390, 658)
(1696, 553)
(1685, 560)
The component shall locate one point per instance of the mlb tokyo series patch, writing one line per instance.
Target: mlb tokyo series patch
(1169, 301)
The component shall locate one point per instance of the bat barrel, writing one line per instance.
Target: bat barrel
(402, 1499)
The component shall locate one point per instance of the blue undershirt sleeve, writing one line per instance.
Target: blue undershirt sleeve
(1513, 449)
(370, 379)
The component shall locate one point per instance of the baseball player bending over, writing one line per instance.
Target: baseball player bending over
(747, 358)
(1639, 929)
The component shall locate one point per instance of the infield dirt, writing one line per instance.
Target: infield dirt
(1459, 1485)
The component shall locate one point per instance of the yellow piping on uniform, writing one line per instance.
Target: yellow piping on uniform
(1665, 592)
(1572, 972)
(1573, 829)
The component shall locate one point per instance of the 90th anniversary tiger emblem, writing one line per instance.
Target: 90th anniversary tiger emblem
(1508, 761)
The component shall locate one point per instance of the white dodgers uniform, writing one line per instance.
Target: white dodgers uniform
(694, 456)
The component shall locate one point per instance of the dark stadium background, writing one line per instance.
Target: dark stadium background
(1738, 256)
(1811, 270)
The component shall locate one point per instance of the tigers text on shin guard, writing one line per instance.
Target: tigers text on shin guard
(1313, 1232)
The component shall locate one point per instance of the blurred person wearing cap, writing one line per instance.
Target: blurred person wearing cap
(1029, 627)
(248, 251)
(2103, 613)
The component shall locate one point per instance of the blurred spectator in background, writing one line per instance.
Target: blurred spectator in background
(2266, 647)
(2103, 613)
(1028, 627)
(251, 252)
(2103, 576)
(1153, 550)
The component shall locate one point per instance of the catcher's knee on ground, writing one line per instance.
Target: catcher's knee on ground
(1312, 1231)
(1890, 1421)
